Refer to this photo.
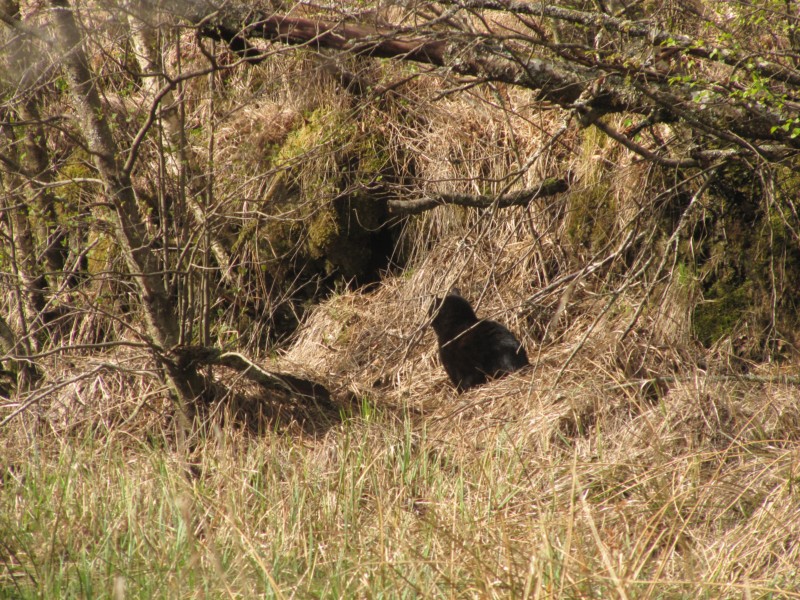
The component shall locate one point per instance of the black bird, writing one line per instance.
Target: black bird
(472, 350)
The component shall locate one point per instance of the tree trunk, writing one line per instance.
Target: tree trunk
(30, 291)
(131, 234)
(149, 58)
(35, 162)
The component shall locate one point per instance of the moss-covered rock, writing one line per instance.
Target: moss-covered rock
(333, 207)
(749, 266)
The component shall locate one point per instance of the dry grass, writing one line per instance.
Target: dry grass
(564, 480)
(625, 462)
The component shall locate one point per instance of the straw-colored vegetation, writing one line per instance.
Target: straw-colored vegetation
(652, 449)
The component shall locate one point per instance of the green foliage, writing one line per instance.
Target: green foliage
(791, 126)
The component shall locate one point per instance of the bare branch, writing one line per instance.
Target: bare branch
(200, 355)
(493, 59)
(639, 29)
(548, 187)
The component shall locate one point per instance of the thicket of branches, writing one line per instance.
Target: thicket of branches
(170, 185)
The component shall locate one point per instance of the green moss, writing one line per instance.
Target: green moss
(102, 250)
(685, 276)
(592, 209)
(748, 265)
(592, 216)
(723, 309)
(78, 166)
(323, 232)
(327, 164)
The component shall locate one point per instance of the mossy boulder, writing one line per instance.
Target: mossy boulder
(748, 264)
(592, 217)
(332, 211)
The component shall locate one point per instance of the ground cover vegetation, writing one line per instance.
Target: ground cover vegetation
(222, 226)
